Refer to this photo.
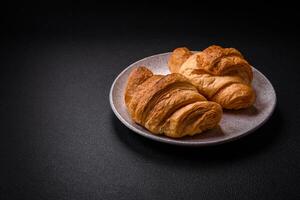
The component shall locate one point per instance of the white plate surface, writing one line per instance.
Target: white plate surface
(234, 124)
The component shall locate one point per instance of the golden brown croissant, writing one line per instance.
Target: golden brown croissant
(221, 74)
(169, 104)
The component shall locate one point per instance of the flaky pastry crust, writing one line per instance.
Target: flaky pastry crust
(169, 105)
(220, 74)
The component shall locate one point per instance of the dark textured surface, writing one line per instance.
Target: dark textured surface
(60, 140)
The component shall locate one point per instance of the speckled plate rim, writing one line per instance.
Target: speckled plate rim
(183, 142)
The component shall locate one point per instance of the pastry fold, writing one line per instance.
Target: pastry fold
(169, 105)
(221, 74)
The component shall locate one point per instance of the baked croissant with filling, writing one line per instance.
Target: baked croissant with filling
(221, 74)
(169, 104)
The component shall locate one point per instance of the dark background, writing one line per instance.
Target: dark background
(59, 138)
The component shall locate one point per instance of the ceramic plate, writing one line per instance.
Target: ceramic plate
(234, 124)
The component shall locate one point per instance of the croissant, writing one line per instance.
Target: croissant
(221, 74)
(169, 105)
